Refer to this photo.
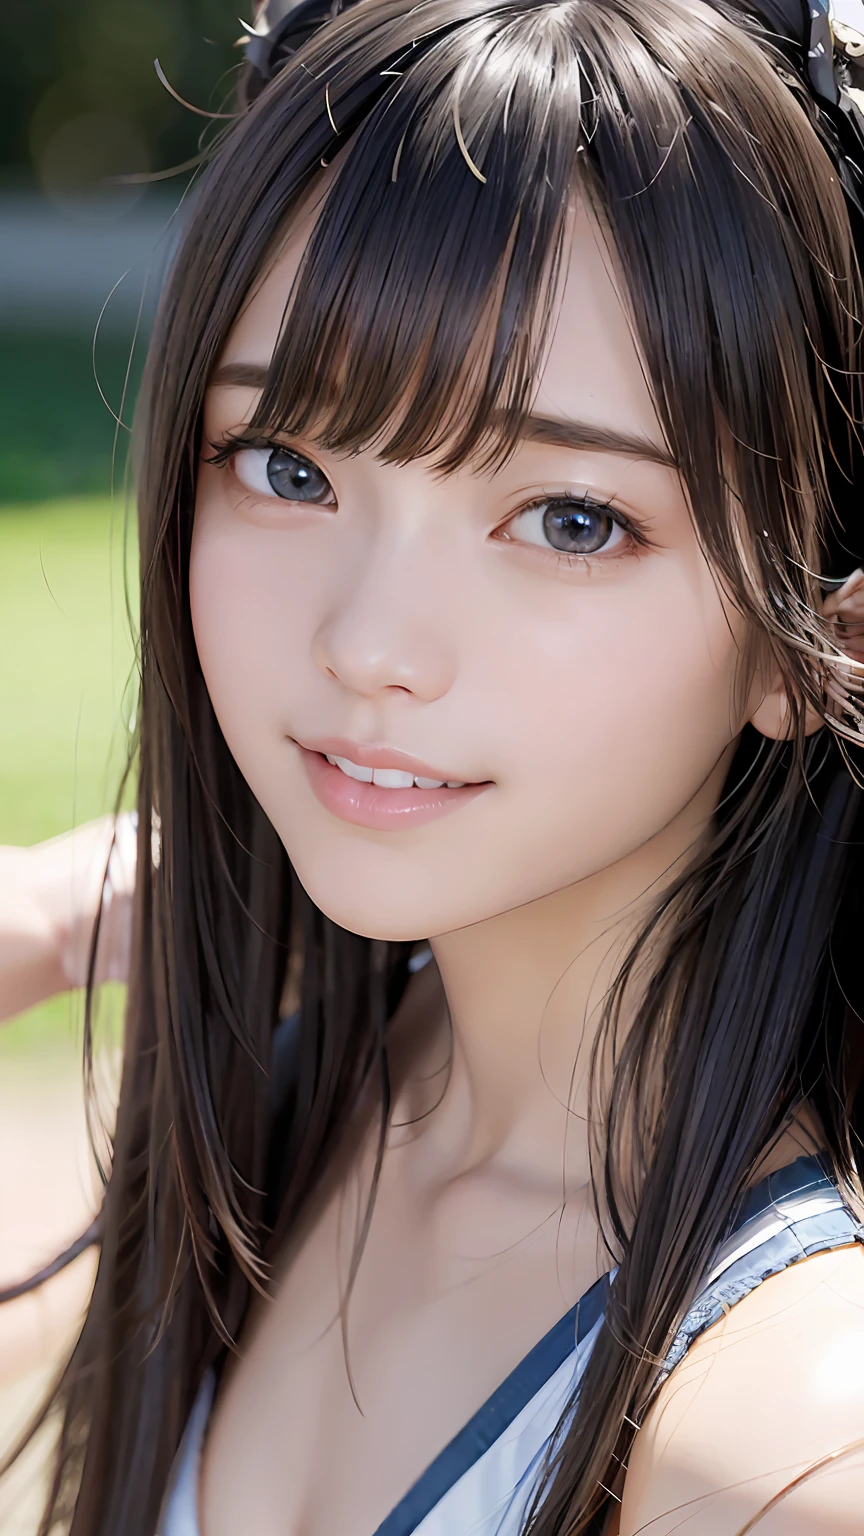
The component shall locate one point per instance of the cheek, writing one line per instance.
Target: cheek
(657, 677)
(226, 629)
(246, 620)
(608, 719)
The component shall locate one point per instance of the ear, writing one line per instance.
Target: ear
(772, 716)
(844, 609)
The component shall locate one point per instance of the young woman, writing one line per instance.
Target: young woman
(500, 444)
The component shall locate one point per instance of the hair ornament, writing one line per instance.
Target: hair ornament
(829, 57)
(281, 27)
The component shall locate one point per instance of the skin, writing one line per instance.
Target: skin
(49, 897)
(761, 1397)
(413, 611)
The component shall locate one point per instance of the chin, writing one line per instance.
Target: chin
(394, 926)
(363, 906)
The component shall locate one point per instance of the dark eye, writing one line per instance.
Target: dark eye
(574, 526)
(282, 472)
(296, 478)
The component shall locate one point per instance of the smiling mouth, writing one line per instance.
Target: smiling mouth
(390, 778)
(386, 767)
(387, 791)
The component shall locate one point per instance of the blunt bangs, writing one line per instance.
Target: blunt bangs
(423, 304)
(424, 297)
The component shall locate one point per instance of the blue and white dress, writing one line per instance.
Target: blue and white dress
(481, 1483)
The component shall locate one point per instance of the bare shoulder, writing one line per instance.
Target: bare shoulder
(774, 1387)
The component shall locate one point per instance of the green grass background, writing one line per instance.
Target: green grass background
(56, 435)
(67, 678)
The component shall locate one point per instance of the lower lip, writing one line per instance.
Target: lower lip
(386, 810)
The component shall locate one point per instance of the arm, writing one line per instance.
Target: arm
(49, 899)
(770, 1390)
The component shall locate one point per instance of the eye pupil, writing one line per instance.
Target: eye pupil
(577, 528)
(296, 478)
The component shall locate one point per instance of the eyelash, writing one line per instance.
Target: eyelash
(225, 449)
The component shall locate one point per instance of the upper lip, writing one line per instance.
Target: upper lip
(369, 756)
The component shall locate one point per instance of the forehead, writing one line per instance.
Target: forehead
(592, 370)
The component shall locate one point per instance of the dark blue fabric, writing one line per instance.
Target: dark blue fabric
(286, 1036)
(497, 1413)
(819, 1232)
(804, 1174)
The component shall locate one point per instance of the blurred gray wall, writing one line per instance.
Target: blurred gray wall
(59, 264)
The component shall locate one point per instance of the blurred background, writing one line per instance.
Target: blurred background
(88, 218)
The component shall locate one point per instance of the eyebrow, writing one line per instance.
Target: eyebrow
(536, 429)
(599, 439)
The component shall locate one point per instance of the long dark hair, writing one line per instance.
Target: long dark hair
(418, 320)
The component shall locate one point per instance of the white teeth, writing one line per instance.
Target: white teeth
(353, 770)
(392, 778)
(389, 778)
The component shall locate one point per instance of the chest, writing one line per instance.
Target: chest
(324, 1422)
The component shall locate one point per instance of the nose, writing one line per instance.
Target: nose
(389, 628)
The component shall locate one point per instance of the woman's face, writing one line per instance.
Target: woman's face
(549, 635)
